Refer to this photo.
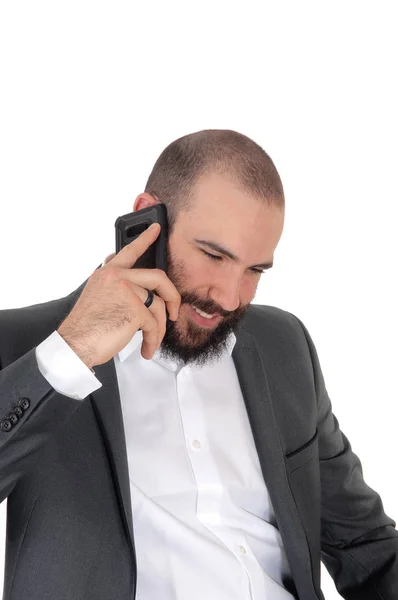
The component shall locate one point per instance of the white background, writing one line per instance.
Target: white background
(91, 93)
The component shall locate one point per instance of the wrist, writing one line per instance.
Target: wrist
(79, 346)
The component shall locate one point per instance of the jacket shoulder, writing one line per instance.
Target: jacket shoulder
(24, 328)
(271, 319)
(279, 334)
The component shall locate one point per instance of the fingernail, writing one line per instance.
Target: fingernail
(153, 226)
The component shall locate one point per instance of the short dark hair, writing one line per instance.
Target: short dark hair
(221, 151)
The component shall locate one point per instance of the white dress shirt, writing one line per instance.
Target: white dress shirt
(204, 525)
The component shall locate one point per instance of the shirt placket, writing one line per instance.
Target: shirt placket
(212, 497)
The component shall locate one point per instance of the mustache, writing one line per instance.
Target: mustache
(206, 305)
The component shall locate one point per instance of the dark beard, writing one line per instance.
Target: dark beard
(192, 350)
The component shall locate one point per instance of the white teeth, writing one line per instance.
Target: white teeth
(203, 314)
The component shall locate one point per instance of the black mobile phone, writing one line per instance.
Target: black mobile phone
(128, 227)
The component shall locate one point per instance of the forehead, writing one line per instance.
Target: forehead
(223, 212)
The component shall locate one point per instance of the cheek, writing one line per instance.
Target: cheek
(199, 277)
(190, 275)
(203, 278)
(248, 289)
(199, 273)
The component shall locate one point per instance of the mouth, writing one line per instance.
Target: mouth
(202, 318)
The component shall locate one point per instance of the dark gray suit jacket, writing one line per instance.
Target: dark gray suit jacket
(63, 467)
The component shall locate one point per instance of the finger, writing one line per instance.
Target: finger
(149, 327)
(108, 258)
(156, 280)
(153, 323)
(159, 312)
(129, 255)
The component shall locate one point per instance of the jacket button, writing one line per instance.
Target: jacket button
(13, 418)
(18, 411)
(24, 403)
(6, 425)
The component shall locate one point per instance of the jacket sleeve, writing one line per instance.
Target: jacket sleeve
(30, 411)
(359, 542)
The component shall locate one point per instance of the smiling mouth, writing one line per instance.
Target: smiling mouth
(207, 321)
(202, 313)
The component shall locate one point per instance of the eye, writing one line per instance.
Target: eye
(258, 271)
(213, 256)
(216, 257)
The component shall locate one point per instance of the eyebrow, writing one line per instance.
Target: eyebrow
(228, 253)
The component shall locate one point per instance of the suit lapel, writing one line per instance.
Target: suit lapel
(256, 393)
(107, 407)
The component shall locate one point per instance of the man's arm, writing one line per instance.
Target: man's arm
(359, 541)
(30, 411)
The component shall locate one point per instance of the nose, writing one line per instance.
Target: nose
(226, 293)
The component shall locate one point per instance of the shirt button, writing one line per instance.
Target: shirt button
(196, 444)
(242, 549)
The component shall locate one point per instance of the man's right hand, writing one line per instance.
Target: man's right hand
(111, 307)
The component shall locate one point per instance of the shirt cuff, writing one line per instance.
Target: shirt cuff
(64, 370)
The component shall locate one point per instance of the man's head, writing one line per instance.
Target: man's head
(224, 197)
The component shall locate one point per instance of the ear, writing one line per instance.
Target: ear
(144, 200)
